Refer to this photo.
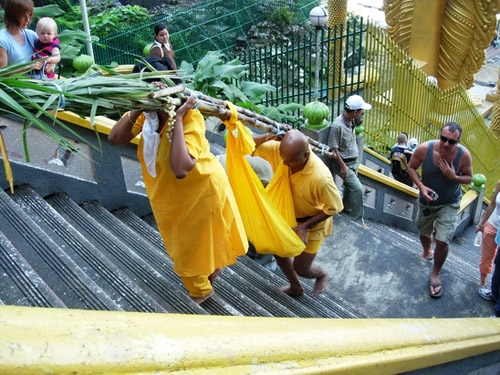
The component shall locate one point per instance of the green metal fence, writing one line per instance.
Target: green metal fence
(405, 99)
(402, 96)
(372, 65)
(211, 26)
(291, 66)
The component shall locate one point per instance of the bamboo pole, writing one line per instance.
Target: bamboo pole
(219, 108)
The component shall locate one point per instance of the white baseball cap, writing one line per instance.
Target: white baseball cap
(356, 102)
(412, 143)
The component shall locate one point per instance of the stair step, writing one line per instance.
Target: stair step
(260, 278)
(231, 292)
(235, 290)
(169, 295)
(97, 266)
(462, 260)
(60, 272)
(21, 285)
(315, 305)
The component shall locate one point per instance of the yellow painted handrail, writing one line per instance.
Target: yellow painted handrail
(63, 341)
(103, 124)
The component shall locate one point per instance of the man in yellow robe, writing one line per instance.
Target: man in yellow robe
(189, 192)
(315, 200)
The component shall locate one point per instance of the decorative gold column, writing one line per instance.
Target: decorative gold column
(446, 37)
(425, 35)
(337, 17)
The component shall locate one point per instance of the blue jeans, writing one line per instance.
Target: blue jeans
(353, 190)
(495, 285)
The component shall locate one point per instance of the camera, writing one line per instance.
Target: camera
(434, 196)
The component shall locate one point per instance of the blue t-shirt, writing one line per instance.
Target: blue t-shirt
(17, 54)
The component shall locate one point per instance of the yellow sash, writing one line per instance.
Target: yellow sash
(266, 228)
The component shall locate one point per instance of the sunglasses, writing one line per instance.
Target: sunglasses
(450, 141)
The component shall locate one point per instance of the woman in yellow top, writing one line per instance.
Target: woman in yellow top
(189, 192)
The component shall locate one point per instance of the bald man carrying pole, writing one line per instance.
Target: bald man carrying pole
(315, 200)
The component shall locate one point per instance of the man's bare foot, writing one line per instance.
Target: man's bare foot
(214, 275)
(295, 292)
(320, 284)
(200, 300)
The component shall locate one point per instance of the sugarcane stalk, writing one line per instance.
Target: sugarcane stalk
(219, 108)
(98, 95)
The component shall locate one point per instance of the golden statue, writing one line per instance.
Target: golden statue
(447, 37)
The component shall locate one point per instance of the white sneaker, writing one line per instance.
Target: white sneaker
(485, 293)
(493, 316)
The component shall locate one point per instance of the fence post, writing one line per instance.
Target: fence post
(478, 207)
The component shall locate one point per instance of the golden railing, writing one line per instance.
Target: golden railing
(405, 99)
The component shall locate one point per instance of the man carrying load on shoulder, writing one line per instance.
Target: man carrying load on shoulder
(315, 200)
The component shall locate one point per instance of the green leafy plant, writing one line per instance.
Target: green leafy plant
(283, 16)
(71, 19)
(224, 80)
(218, 78)
(112, 21)
(72, 42)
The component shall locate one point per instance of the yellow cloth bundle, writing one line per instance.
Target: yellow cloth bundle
(266, 228)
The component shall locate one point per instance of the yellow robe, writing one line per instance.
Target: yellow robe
(312, 189)
(197, 216)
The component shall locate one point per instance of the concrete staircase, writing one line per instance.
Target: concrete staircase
(56, 253)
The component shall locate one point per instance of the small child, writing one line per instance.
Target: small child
(47, 44)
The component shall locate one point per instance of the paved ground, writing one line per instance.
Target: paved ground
(380, 270)
(486, 79)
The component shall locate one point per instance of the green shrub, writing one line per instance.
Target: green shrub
(113, 21)
(283, 16)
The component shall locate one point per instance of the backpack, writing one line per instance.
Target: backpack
(399, 162)
(158, 63)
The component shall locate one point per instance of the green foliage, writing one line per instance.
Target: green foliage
(48, 11)
(225, 80)
(282, 113)
(112, 21)
(283, 16)
(72, 43)
(71, 20)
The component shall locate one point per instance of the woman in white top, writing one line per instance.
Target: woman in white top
(489, 226)
(16, 40)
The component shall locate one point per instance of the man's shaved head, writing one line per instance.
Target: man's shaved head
(294, 150)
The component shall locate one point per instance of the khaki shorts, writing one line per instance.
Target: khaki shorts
(442, 219)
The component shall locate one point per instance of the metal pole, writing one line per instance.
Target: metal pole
(318, 36)
(86, 27)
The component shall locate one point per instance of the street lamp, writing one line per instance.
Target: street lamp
(318, 17)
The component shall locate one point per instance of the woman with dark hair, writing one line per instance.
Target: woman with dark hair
(16, 40)
(190, 194)
(161, 45)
